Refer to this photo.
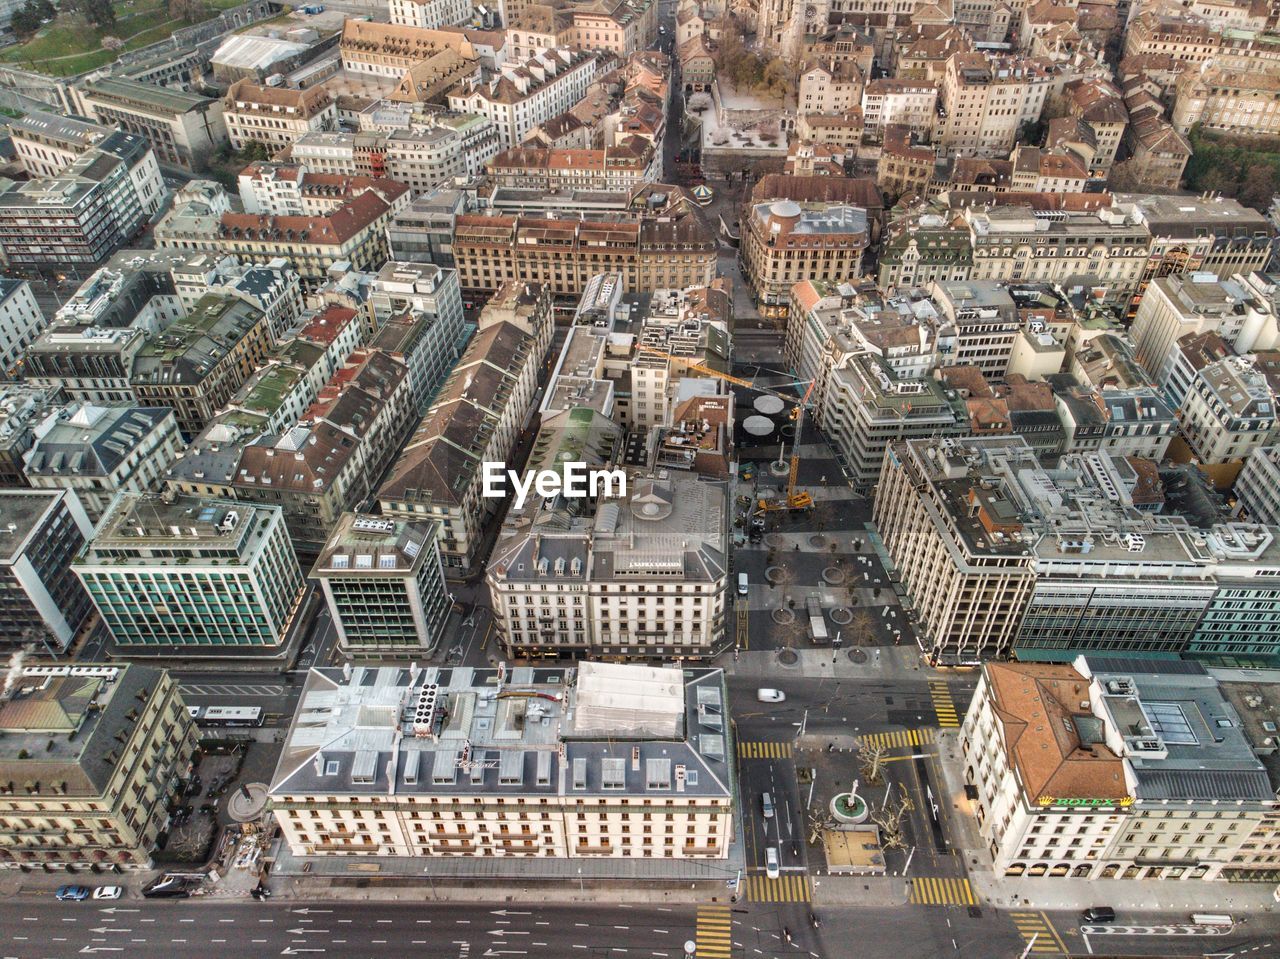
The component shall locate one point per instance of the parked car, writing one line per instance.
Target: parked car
(167, 887)
(1099, 914)
(771, 695)
(74, 893)
(108, 892)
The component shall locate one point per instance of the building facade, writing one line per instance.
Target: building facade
(191, 573)
(96, 755)
(551, 766)
(384, 584)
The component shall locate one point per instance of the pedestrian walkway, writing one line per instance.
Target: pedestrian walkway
(714, 932)
(1038, 933)
(898, 738)
(764, 750)
(934, 891)
(943, 704)
(789, 887)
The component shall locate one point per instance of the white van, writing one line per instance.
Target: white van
(771, 868)
(1211, 919)
(742, 584)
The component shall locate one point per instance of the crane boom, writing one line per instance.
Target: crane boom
(794, 499)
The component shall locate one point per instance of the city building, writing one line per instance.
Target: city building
(88, 350)
(1227, 100)
(1258, 486)
(84, 214)
(525, 95)
(784, 242)
(41, 601)
(329, 462)
(1066, 560)
(384, 584)
(652, 253)
(1192, 234)
(643, 576)
(476, 418)
(184, 129)
(192, 573)
(418, 311)
(93, 757)
(907, 103)
(98, 451)
(429, 14)
(1177, 305)
(21, 321)
(553, 764)
(987, 100)
(196, 365)
(425, 64)
(1228, 410)
(832, 87)
(626, 167)
(47, 143)
(1115, 769)
(1106, 248)
(967, 588)
(23, 407)
(275, 116)
(341, 220)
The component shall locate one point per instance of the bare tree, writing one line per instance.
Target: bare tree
(871, 759)
(863, 627)
(819, 821)
(192, 845)
(889, 818)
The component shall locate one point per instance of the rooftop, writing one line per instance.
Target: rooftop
(598, 730)
(65, 728)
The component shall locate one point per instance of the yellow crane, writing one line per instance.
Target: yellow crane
(793, 498)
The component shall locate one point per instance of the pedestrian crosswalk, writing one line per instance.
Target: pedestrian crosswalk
(764, 750)
(898, 738)
(715, 932)
(1038, 933)
(789, 887)
(944, 705)
(933, 891)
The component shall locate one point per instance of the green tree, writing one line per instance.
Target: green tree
(1259, 185)
(25, 23)
(96, 13)
(189, 11)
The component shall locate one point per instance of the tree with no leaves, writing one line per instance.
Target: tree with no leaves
(871, 758)
(889, 818)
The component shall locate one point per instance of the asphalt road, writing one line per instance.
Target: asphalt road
(139, 929)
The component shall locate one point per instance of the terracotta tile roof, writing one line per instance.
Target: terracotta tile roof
(1036, 705)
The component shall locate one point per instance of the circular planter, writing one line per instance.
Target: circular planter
(817, 541)
(788, 657)
(783, 616)
(833, 576)
(857, 656)
(844, 811)
(774, 539)
(842, 616)
(775, 574)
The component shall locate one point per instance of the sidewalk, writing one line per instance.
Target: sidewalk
(883, 663)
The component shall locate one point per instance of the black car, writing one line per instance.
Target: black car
(168, 887)
(1099, 914)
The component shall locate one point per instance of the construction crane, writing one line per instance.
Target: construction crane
(793, 498)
